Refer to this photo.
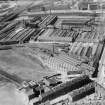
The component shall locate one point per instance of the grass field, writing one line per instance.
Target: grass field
(24, 66)
(16, 62)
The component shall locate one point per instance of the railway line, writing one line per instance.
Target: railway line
(65, 12)
(11, 77)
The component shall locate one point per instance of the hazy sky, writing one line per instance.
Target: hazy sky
(10, 96)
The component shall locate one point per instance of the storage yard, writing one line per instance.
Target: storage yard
(52, 52)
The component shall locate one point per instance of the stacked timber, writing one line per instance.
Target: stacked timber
(59, 35)
(49, 20)
(84, 50)
(3, 25)
(89, 37)
(8, 29)
(20, 35)
(76, 21)
(64, 63)
(36, 18)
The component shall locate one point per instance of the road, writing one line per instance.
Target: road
(63, 12)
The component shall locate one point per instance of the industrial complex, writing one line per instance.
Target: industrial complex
(52, 52)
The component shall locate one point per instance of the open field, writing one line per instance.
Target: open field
(23, 67)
